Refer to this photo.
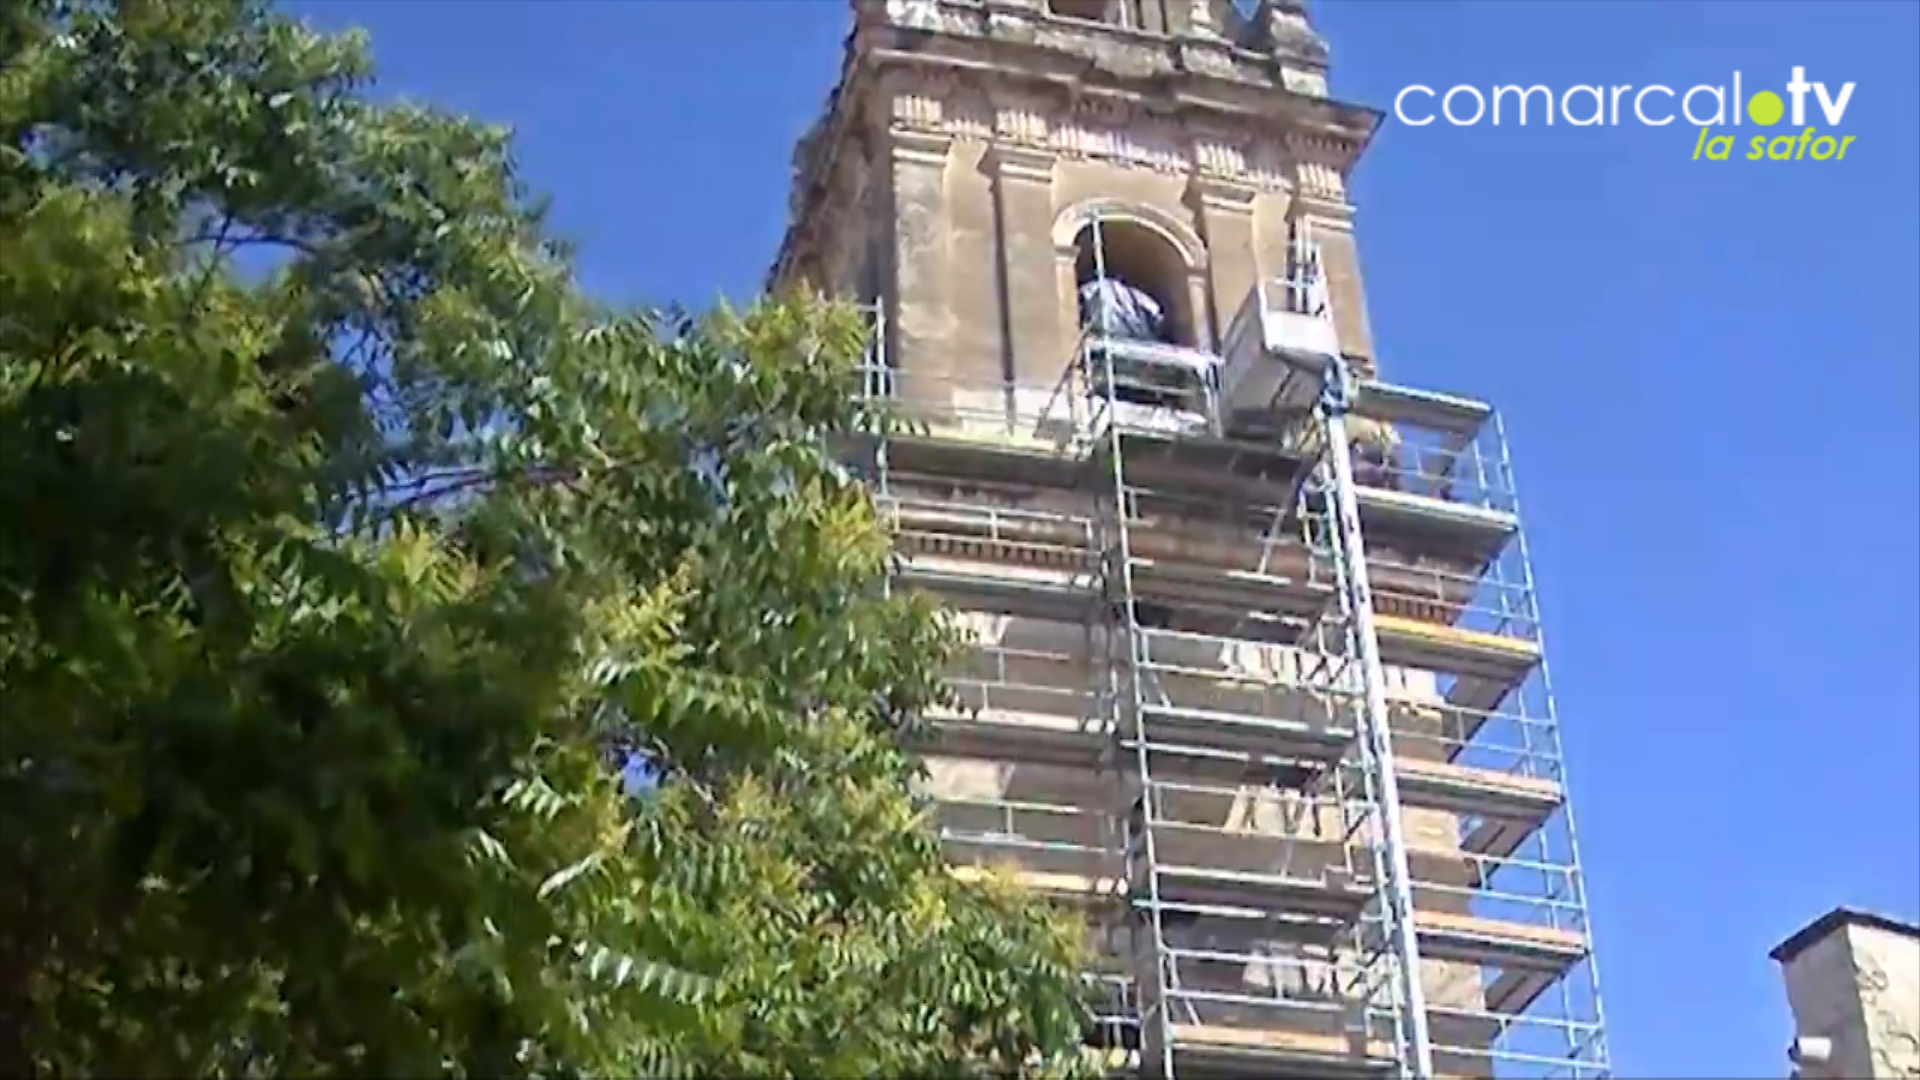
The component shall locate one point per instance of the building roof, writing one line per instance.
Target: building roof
(1838, 919)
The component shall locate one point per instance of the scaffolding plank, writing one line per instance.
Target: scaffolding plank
(1085, 887)
(1329, 896)
(1498, 943)
(1201, 464)
(1429, 646)
(1210, 1048)
(1005, 588)
(1187, 584)
(1209, 730)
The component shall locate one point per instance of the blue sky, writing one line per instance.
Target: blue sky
(1707, 371)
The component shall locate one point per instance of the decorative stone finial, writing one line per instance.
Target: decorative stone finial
(1288, 32)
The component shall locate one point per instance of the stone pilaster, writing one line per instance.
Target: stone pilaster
(1031, 315)
(921, 318)
(1320, 201)
(1224, 209)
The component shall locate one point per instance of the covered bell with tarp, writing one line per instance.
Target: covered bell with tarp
(1117, 309)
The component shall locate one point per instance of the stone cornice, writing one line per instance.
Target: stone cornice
(1338, 133)
(1077, 123)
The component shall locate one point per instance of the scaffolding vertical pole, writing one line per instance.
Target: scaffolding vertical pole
(1129, 624)
(879, 383)
(1336, 399)
(1367, 772)
(876, 382)
(1594, 1039)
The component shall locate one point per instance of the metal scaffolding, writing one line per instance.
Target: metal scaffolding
(1259, 689)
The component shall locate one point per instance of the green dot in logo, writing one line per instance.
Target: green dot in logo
(1766, 108)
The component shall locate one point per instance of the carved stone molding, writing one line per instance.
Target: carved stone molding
(1121, 127)
(1316, 166)
(919, 109)
(1214, 157)
(1023, 122)
(1208, 55)
(1014, 162)
(920, 147)
(1319, 182)
(1105, 109)
(1222, 194)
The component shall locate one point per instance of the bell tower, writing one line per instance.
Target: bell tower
(970, 145)
(1253, 678)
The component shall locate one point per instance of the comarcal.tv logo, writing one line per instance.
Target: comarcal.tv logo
(1711, 108)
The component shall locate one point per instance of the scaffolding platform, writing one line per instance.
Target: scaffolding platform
(1470, 535)
(1226, 1051)
(1458, 418)
(1181, 552)
(1035, 592)
(1295, 739)
(1071, 888)
(1504, 808)
(1528, 958)
(1203, 464)
(1330, 896)
(982, 453)
(1020, 738)
(987, 558)
(1235, 591)
(1485, 667)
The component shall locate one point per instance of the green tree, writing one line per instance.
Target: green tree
(350, 549)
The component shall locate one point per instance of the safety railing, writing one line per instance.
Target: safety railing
(1505, 743)
(1035, 835)
(996, 677)
(1557, 1040)
(1494, 600)
(1135, 386)
(971, 408)
(1514, 891)
(1070, 537)
(1296, 973)
(1246, 829)
(1437, 465)
(1269, 996)
(1282, 679)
